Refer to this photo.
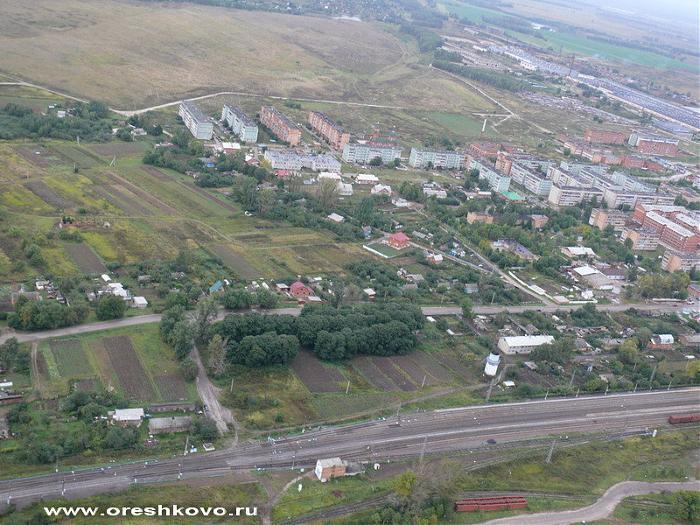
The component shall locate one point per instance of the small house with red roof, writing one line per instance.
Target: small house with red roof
(300, 290)
(398, 240)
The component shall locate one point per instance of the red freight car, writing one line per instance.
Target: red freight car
(684, 418)
(495, 503)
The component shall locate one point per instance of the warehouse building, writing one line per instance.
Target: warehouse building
(523, 344)
(240, 123)
(654, 144)
(197, 122)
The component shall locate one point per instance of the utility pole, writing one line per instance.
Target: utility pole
(653, 374)
(571, 382)
(488, 393)
(423, 383)
(231, 389)
(551, 451)
(347, 387)
(187, 444)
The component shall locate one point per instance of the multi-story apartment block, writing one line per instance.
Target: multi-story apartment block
(505, 161)
(293, 161)
(602, 218)
(533, 180)
(280, 125)
(572, 195)
(642, 239)
(329, 130)
(364, 152)
(496, 180)
(240, 123)
(673, 261)
(601, 136)
(197, 122)
(450, 160)
(616, 197)
(653, 144)
(671, 234)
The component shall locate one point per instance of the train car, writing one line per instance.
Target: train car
(495, 503)
(684, 418)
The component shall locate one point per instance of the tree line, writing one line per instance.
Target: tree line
(492, 78)
(88, 121)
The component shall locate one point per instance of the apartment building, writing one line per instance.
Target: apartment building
(673, 261)
(240, 123)
(601, 218)
(614, 198)
(653, 144)
(533, 180)
(280, 125)
(672, 234)
(572, 195)
(198, 123)
(496, 180)
(421, 159)
(331, 132)
(642, 239)
(364, 152)
(293, 161)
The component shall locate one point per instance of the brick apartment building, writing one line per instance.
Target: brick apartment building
(329, 130)
(280, 125)
(601, 218)
(601, 136)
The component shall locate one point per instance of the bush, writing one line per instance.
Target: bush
(189, 369)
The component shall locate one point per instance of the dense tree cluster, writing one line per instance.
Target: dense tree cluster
(45, 315)
(13, 357)
(110, 307)
(486, 76)
(257, 340)
(86, 121)
(176, 331)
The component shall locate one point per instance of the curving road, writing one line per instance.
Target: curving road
(441, 431)
(599, 510)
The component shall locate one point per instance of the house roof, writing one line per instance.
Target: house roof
(298, 285)
(529, 340)
(399, 236)
(128, 414)
(329, 462)
(218, 285)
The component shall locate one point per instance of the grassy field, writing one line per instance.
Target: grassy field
(159, 52)
(133, 361)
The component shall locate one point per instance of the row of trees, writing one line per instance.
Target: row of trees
(45, 315)
(486, 76)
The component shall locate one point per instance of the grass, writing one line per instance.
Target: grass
(227, 495)
(459, 124)
(651, 509)
(315, 496)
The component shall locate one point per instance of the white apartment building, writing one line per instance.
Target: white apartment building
(422, 159)
(240, 123)
(363, 153)
(197, 122)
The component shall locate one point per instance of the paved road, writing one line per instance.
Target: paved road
(601, 508)
(467, 428)
(23, 337)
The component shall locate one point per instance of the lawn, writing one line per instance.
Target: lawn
(459, 124)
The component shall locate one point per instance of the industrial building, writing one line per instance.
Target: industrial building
(329, 130)
(240, 123)
(198, 123)
(601, 136)
(422, 159)
(523, 344)
(653, 144)
(280, 125)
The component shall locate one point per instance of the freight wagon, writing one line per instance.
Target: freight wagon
(495, 503)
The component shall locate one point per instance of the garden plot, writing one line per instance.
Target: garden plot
(70, 358)
(171, 387)
(235, 261)
(369, 370)
(85, 258)
(40, 189)
(398, 376)
(316, 376)
(132, 377)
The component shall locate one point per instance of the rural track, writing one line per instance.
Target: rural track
(602, 508)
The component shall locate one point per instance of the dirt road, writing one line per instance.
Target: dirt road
(601, 508)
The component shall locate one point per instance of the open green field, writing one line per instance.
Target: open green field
(155, 52)
(133, 361)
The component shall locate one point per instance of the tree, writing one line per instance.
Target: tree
(110, 307)
(236, 299)
(189, 369)
(629, 351)
(266, 299)
(327, 194)
(181, 339)
(376, 161)
(205, 429)
(245, 191)
(467, 306)
(205, 312)
(119, 438)
(686, 506)
(217, 355)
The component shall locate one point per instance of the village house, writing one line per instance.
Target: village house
(398, 240)
(300, 290)
(661, 342)
(127, 417)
